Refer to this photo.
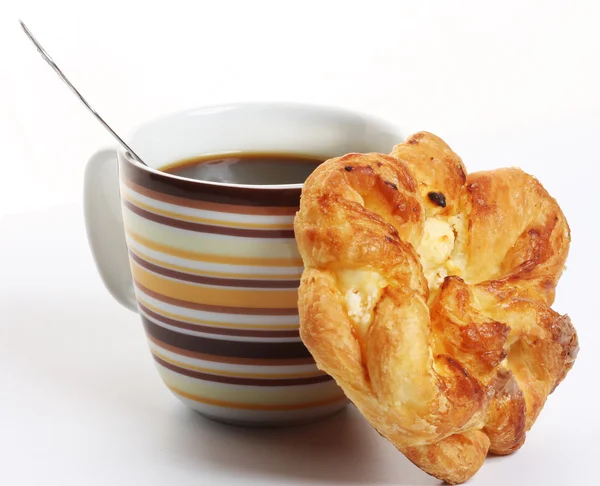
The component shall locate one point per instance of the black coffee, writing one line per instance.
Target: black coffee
(247, 168)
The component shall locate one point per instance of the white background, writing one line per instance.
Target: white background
(505, 83)
(458, 69)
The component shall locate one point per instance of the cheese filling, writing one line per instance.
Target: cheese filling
(361, 290)
(436, 250)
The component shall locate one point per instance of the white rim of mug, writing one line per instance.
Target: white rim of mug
(370, 119)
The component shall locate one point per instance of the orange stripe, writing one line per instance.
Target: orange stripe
(214, 296)
(188, 366)
(228, 325)
(210, 206)
(210, 273)
(197, 219)
(210, 258)
(255, 406)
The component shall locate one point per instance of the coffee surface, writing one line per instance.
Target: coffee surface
(247, 168)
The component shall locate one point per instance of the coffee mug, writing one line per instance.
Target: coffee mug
(213, 268)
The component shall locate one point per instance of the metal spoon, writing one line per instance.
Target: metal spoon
(49, 60)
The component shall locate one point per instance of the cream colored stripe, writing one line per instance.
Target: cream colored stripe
(173, 212)
(237, 374)
(217, 245)
(208, 257)
(222, 268)
(193, 271)
(243, 395)
(215, 296)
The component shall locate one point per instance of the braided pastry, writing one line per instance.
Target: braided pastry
(426, 295)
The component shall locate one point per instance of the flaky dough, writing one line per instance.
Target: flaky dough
(426, 295)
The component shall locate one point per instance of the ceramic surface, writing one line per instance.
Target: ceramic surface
(213, 269)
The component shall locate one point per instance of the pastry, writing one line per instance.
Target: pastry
(426, 295)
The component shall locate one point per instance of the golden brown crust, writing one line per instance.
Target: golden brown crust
(426, 295)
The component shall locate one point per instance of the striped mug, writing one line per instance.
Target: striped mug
(213, 268)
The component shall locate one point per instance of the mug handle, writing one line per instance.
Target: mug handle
(104, 226)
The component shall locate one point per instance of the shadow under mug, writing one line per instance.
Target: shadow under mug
(213, 269)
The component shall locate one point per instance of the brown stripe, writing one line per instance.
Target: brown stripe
(207, 228)
(291, 333)
(270, 373)
(208, 206)
(221, 282)
(258, 311)
(232, 380)
(207, 322)
(233, 349)
(231, 360)
(202, 191)
(215, 220)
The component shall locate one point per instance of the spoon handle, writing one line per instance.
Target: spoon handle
(51, 62)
